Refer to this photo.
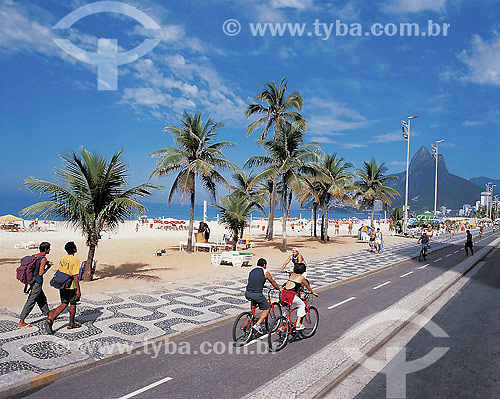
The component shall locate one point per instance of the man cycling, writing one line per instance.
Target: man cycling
(256, 280)
(424, 239)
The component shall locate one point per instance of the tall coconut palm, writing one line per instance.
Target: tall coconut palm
(310, 194)
(287, 158)
(235, 211)
(197, 155)
(93, 196)
(372, 186)
(397, 216)
(335, 185)
(275, 108)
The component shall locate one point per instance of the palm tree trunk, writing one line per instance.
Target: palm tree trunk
(87, 272)
(323, 238)
(371, 218)
(191, 223)
(315, 211)
(270, 222)
(326, 223)
(286, 209)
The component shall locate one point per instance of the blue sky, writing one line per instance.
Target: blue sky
(356, 89)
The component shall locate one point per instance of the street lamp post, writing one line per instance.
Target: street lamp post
(435, 154)
(491, 207)
(406, 136)
(488, 199)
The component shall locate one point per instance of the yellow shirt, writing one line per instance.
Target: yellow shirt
(70, 265)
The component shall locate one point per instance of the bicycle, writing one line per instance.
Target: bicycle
(243, 331)
(283, 328)
(423, 253)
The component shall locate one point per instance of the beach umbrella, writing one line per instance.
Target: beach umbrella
(365, 228)
(10, 218)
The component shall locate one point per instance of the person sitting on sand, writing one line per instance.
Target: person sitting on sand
(36, 294)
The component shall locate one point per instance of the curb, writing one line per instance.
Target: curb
(39, 381)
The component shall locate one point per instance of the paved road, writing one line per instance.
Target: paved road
(470, 368)
(225, 375)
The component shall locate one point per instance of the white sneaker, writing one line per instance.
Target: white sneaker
(299, 328)
(257, 329)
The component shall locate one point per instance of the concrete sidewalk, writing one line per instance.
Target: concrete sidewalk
(119, 321)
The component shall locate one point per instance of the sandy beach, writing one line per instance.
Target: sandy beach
(126, 258)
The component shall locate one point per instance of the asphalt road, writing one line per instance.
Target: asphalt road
(211, 369)
(470, 368)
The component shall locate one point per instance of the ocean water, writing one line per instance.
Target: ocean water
(14, 203)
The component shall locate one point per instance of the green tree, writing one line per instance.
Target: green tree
(275, 108)
(93, 196)
(372, 186)
(335, 184)
(197, 155)
(286, 160)
(246, 185)
(397, 217)
(235, 211)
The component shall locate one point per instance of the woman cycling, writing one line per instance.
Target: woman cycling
(291, 289)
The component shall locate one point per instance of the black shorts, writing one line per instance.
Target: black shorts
(68, 296)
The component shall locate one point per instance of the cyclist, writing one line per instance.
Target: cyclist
(290, 293)
(481, 229)
(256, 280)
(295, 258)
(424, 239)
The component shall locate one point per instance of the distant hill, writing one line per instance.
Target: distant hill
(482, 181)
(453, 191)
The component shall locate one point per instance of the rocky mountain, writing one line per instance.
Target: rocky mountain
(482, 181)
(453, 191)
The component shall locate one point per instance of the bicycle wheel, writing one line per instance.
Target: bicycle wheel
(310, 321)
(242, 328)
(274, 313)
(420, 255)
(278, 338)
(424, 255)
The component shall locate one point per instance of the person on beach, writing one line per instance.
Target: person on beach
(295, 258)
(68, 264)
(379, 240)
(350, 228)
(337, 228)
(203, 228)
(256, 280)
(36, 294)
(371, 243)
(469, 244)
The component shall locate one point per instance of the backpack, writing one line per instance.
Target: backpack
(27, 271)
(287, 297)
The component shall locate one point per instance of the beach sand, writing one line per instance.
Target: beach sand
(126, 258)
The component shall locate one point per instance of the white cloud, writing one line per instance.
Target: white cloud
(353, 145)
(482, 60)
(413, 6)
(323, 139)
(473, 123)
(297, 4)
(387, 137)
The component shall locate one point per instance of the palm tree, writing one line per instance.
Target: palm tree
(275, 112)
(372, 185)
(396, 216)
(335, 183)
(310, 194)
(197, 155)
(248, 186)
(234, 211)
(286, 160)
(92, 197)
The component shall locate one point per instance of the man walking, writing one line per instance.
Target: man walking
(469, 244)
(36, 295)
(68, 264)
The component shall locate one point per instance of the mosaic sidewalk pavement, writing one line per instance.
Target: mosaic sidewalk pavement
(120, 320)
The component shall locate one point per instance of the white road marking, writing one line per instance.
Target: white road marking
(146, 388)
(255, 340)
(447, 255)
(456, 252)
(437, 260)
(424, 266)
(381, 285)
(341, 303)
(406, 274)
